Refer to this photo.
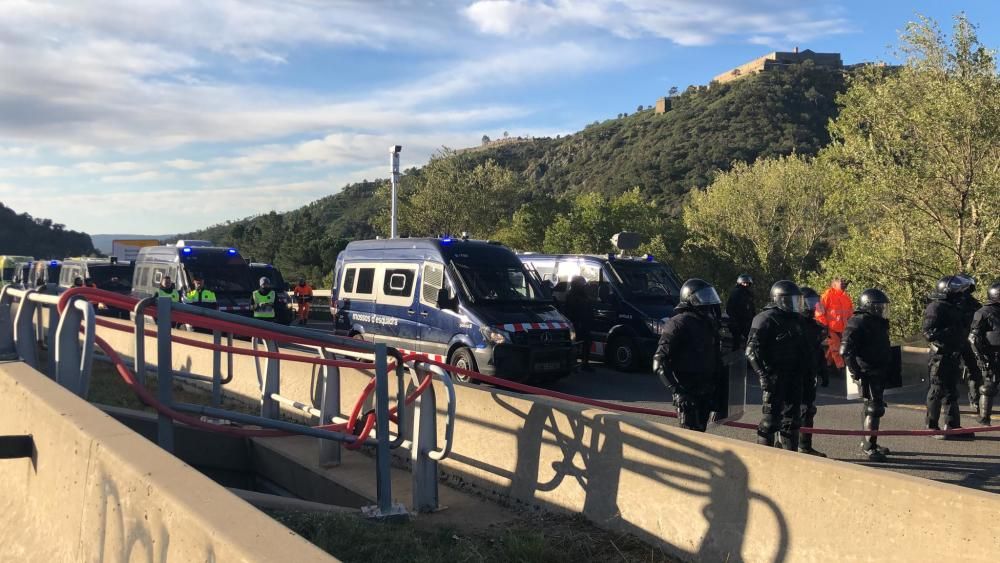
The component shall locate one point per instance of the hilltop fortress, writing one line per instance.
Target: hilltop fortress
(779, 60)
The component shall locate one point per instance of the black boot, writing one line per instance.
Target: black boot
(968, 437)
(766, 440)
(985, 409)
(790, 442)
(869, 446)
(974, 396)
(806, 445)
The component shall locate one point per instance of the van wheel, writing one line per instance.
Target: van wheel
(621, 353)
(462, 358)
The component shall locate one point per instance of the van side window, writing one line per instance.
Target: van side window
(433, 281)
(157, 276)
(366, 280)
(398, 282)
(349, 280)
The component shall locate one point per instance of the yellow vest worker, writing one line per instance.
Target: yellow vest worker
(263, 301)
(201, 297)
(167, 289)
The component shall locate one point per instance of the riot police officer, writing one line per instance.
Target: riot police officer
(868, 354)
(815, 353)
(971, 373)
(945, 330)
(688, 355)
(741, 309)
(985, 341)
(774, 350)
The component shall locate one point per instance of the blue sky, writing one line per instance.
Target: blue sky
(161, 116)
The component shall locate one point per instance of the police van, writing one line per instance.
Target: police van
(225, 272)
(11, 267)
(43, 272)
(468, 303)
(633, 298)
(106, 273)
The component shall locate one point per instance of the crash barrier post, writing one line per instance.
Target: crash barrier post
(424, 452)
(69, 360)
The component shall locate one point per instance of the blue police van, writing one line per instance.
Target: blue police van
(224, 271)
(633, 298)
(468, 303)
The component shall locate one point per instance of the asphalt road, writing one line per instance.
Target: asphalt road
(973, 464)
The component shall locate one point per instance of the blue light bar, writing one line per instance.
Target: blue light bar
(186, 250)
(446, 240)
(231, 251)
(650, 258)
(54, 263)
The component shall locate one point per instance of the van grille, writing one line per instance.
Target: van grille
(540, 337)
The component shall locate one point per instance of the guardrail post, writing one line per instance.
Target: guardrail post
(383, 477)
(7, 349)
(50, 337)
(72, 359)
(216, 369)
(24, 331)
(269, 408)
(164, 373)
(329, 407)
(425, 469)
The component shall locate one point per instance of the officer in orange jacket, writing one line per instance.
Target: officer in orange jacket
(834, 309)
(303, 297)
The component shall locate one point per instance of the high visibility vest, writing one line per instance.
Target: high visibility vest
(206, 296)
(303, 293)
(834, 309)
(264, 304)
(172, 294)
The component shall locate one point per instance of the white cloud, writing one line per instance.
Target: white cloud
(685, 22)
(185, 164)
(146, 176)
(107, 167)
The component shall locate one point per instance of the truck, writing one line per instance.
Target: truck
(126, 250)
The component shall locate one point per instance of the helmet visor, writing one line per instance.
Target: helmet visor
(880, 309)
(704, 296)
(809, 305)
(789, 303)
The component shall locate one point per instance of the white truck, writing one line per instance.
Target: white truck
(126, 250)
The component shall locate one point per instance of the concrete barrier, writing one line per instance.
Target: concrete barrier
(95, 491)
(702, 497)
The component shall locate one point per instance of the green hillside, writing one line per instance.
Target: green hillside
(41, 238)
(663, 155)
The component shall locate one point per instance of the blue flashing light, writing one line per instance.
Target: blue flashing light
(650, 258)
(446, 240)
(231, 251)
(54, 263)
(186, 250)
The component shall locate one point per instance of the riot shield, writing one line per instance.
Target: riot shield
(893, 380)
(731, 388)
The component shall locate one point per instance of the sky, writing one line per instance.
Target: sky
(160, 117)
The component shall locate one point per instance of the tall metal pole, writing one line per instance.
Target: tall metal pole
(394, 162)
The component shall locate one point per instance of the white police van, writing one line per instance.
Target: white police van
(468, 303)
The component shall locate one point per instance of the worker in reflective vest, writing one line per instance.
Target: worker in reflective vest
(303, 297)
(168, 289)
(200, 295)
(263, 301)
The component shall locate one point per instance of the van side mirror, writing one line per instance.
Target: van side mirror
(446, 301)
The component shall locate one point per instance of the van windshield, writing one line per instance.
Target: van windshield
(222, 273)
(113, 277)
(488, 281)
(646, 280)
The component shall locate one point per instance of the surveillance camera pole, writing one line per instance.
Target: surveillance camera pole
(394, 162)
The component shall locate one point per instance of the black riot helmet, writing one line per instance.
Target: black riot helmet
(786, 296)
(993, 293)
(874, 301)
(699, 293)
(810, 300)
(972, 283)
(745, 280)
(952, 287)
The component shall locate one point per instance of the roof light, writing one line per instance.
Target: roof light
(186, 250)
(446, 240)
(231, 251)
(649, 258)
(54, 263)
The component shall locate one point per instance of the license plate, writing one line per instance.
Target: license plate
(547, 366)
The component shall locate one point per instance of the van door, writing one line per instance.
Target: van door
(436, 326)
(396, 312)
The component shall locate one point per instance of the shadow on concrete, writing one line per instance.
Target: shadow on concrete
(592, 456)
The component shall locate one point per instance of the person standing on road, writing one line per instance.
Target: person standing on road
(834, 309)
(580, 311)
(867, 351)
(303, 297)
(201, 296)
(985, 341)
(167, 289)
(741, 310)
(263, 301)
(774, 350)
(689, 355)
(971, 373)
(944, 328)
(815, 337)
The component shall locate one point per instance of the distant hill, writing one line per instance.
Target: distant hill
(103, 242)
(665, 155)
(41, 238)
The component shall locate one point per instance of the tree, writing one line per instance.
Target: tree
(526, 229)
(640, 108)
(588, 225)
(770, 219)
(486, 139)
(922, 146)
(673, 91)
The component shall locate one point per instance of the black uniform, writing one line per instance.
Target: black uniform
(815, 354)
(687, 359)
(774, 348)
(944, 328)
(971, 373)
(579, 310)
(867, 352)
(985, 341)
(741, 309)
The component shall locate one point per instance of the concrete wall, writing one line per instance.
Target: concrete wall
(96, 491)
(702, 497)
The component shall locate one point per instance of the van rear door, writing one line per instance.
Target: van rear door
(436, 326)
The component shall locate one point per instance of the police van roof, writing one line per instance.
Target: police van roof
(604, 257)
(175, 253)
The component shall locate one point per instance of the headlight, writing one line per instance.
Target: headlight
(494, 336)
